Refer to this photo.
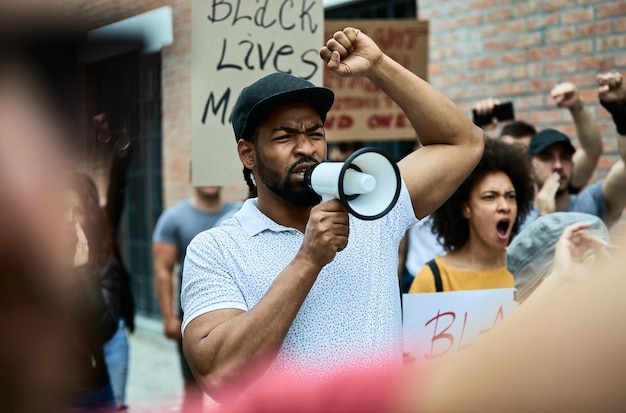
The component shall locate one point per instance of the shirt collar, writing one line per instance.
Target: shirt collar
(253, 221)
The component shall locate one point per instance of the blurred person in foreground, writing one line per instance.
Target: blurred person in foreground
(57, 309)
(561, 350)
(34, 245)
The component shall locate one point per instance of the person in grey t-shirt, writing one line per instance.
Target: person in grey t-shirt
(174, 230)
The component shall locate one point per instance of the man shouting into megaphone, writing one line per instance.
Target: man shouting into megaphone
(295, 287)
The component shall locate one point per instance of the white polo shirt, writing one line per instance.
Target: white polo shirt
(351, 314)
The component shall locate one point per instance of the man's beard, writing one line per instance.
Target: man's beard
(298, 195)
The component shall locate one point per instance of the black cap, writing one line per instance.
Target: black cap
(275, 90)
(540, 141)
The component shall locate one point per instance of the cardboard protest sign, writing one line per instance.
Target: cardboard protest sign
(234, 43)
(361, 110)
(436, 323)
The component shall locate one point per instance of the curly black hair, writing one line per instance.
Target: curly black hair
(448, 223)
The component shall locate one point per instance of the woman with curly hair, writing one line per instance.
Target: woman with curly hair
(476, 224)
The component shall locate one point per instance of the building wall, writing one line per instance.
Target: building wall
(518, 50)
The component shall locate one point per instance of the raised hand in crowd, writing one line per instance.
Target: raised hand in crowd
(121, 141)
(572, 249)
(611, 87)
(101, 122)
(485, 107)
(567, 96)
(612, 96)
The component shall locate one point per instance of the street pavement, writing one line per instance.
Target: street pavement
(155, 382)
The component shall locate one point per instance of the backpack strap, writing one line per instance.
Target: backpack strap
(436, 275)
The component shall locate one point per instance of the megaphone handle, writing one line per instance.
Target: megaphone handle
(327, 197)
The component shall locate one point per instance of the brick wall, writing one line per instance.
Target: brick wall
(518, 50)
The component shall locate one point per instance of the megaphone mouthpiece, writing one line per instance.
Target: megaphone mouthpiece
(357, 183)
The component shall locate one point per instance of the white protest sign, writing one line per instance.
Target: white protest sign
(436, 323)
(234, 43)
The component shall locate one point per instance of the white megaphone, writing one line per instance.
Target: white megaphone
(367, 183)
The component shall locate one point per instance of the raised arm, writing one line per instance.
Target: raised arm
(586, 158)
(116, 192)
(452, 145)
(612, 95)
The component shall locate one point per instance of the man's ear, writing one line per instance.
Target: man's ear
(246, 153)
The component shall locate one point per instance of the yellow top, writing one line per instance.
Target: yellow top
(454, 279)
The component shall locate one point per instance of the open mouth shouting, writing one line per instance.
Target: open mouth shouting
(503, 228)
(299, 169)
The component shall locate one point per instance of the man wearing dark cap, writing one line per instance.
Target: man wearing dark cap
(294, 287)
(552, 153)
